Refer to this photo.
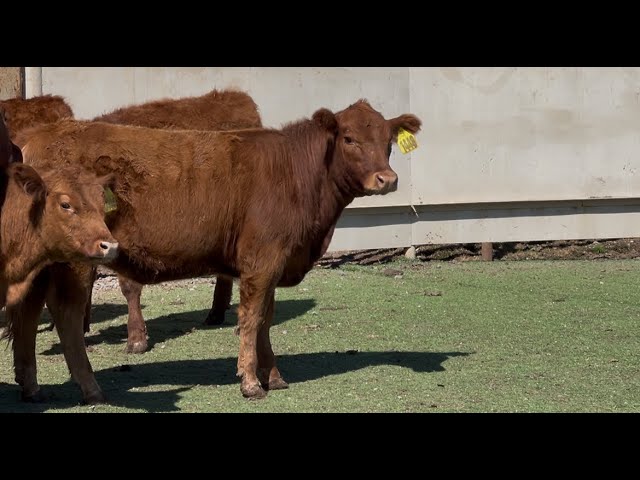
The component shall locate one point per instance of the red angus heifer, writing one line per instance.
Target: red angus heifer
(54, 217)
(253, 204)
(47, 217)
(216, 110)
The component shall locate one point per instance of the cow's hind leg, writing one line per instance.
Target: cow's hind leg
(22, 319)
(267, 371)
(136, 327)
(255, 297)
(221, 300)
(66, 298)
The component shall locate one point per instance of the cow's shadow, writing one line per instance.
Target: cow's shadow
(120, 383)
(173, 325)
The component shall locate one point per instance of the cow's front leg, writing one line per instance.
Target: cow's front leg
(67, 298)
(268, 373)
(256, 294)
(22, 319)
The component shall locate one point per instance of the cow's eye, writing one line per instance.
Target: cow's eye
(65, 205)
(348, 140)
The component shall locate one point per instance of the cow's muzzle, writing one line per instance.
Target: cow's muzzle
(104, 251)
(381, 183)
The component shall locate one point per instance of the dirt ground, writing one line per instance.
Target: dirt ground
(555, 250)
(622, 248)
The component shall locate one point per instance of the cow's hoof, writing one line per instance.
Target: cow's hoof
(95, 398)
(253, 392)
(136, 347)
(214, 318)
(37, 397)
(278, 384)
(263, 377)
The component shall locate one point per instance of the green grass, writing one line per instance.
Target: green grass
(558, 336)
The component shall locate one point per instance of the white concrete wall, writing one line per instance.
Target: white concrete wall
(491, 134)
(520, 134)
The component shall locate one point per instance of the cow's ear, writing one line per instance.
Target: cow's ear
(29, 180)
(326, 119)
(16, 154)
(409, 122)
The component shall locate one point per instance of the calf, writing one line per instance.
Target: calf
(255, 204)
(216, 110)
(54, 217)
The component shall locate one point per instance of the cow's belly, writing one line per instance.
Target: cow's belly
(175, 249)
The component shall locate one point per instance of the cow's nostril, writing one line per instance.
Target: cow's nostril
(381, 180)
(108, 247)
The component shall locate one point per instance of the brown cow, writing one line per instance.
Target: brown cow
(44, 219)
(217, 110)
(253, 204)
(23, 113)
(54, 217)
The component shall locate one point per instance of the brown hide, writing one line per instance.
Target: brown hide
(9, 152)
(255, 204)
(23, 113)
(217, 110)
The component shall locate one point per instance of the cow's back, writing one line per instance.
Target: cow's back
(21, 113)
(217, 110)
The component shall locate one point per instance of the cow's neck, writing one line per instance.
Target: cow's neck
(323, 198)
(22, 250)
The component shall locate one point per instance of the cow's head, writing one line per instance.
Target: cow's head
(65, 212)
(73, 224)
(363, 142)
(54, 217)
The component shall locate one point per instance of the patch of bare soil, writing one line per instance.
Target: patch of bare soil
(556, 250)
(552, 250)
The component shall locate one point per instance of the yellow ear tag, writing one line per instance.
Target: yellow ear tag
(406, 141)
(109, 200)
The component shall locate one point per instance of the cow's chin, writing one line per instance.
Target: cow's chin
(93, 257)
(102, 259)
(368, 192)
(102, 252)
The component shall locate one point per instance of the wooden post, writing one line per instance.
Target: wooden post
(487, 251)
